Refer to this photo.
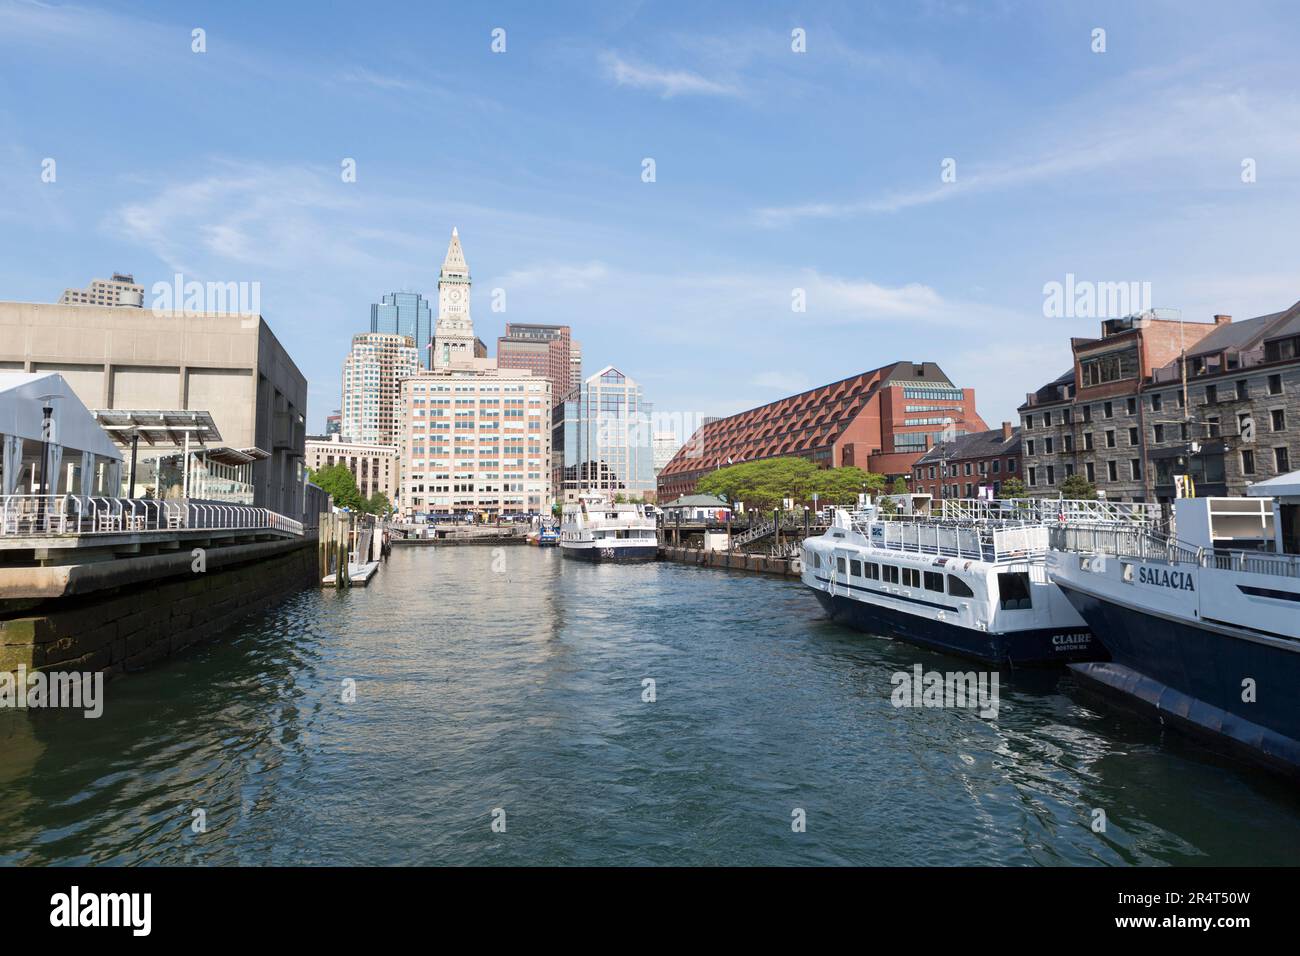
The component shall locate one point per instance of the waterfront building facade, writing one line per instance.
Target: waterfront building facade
(545, 350)
(121, 290)
(373, 466)
(880, 421)
(147, 367)
(405, 313)
(1123, 418)
(963, 466)
(474, 438)
(372, 376)
(601, 439)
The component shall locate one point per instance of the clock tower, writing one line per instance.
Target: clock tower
(453, 335)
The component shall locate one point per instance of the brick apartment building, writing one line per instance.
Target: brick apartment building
(880, 421)
(960, 467)
(1119, 416)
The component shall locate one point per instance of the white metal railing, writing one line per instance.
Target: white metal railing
(1003, 541)
(83, 515)
(1146, 545)
(1055, 511)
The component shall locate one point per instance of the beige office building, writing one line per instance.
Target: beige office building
(373, 466)
(475, 438)
(135, 360)
(121, 290)
(372, 374)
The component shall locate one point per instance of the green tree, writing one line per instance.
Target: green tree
(377, 504)
(1078, 487)
(841, 486)
(1013, 488)
(339, 482)
(900, 486)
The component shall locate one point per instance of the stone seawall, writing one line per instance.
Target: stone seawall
(733, 561)
(131, 621)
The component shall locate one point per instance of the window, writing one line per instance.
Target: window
(1087, 441)
(1132, 436)
(1029, 422)
(1111, 367)
(1247, 462)
(1211, 394)
(934, 581)
(1108, 409)
(1087, 413)
(997, 465)
(1047, 445)
(1112, 470)
(911, 578)
(1159, 433)
(1243, 389)
(1110, 438)
(959, 588)
(1033, 476)
(1282, 458)
(1013, 591)
(872, 570)
(1047, 419)
(839, 565)
(1092, 471)
(890, 573)
(1131, 406)
(1069, 469)
(1157, 402)
(1051, 475)
(1277, 418)
(1275, 384)
(1069, 443)
(855, 568)
(1029, 446)
(1182, 400)
(1212, 427)
(817, 560)
(968, 468)
(1011, 464)
(1135, 469)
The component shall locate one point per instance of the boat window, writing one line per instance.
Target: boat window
(855, 568)
(873, 571)
(891, 573)
(817, 560)
(1013, 590)
(959, 588)
(911, 578)
(934, 581)
(839, 565)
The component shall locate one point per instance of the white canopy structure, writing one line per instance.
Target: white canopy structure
(1283, 486)
(80, 458)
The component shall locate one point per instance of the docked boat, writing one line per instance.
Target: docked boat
(971, 582)
(545, 535)
(595, 529)
(1202, 628)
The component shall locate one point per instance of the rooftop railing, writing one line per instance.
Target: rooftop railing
(1053, 511)
(84, 516)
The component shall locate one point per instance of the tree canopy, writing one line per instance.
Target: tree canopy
(1013, 488)
(766, 483)
(1079, 487)
(341, 485)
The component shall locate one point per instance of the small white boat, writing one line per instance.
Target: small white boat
(595, 529)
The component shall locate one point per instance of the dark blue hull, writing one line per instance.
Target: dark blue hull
(618, 554)
(1192, 678)
(1036, 648)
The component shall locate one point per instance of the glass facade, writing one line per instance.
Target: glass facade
(602, 439)
(405, 313)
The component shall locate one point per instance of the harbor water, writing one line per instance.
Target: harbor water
(507, 686)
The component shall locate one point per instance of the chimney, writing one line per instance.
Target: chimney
(1006, 431)
(1222, 319)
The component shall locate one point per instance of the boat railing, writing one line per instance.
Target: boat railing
(1005, 541)
(1053, 511)
(1143, 545)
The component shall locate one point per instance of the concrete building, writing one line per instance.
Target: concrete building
(405, 313)
(474, 438)
(133, 360)
(880, 421)
(575, 364)
(601, 439)
(372, 376)
(961, 467)
(1123, 418)
(545, 350)
(373, 466)
(121, 290)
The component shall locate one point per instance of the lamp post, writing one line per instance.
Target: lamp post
(47, 427)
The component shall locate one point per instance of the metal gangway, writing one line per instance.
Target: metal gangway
(1054, 511)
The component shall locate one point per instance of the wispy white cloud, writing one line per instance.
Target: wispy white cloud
(666, 82)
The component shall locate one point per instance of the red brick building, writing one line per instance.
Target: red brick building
(959, 468)
(880, 421)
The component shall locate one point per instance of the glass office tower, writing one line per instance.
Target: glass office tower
(601, 439)
(405, 313)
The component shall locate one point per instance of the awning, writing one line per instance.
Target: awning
(158, 427)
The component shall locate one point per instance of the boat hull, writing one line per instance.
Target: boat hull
(616, 554)
(1192, 676)
(1044, 647)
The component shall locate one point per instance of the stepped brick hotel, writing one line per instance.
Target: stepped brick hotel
(880, 421)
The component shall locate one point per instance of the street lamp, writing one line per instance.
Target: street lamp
(47, 426)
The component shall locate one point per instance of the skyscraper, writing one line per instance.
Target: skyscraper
(601, 440)
(372, 377)
(545, 350)
(120, 290)
(405, 313)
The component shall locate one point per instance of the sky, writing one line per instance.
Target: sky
(916, 175)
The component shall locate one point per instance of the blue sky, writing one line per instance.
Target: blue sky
(775, 171)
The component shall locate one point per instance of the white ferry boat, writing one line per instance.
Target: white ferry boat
(595, 529)
(1203, 629)
(972, 582)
